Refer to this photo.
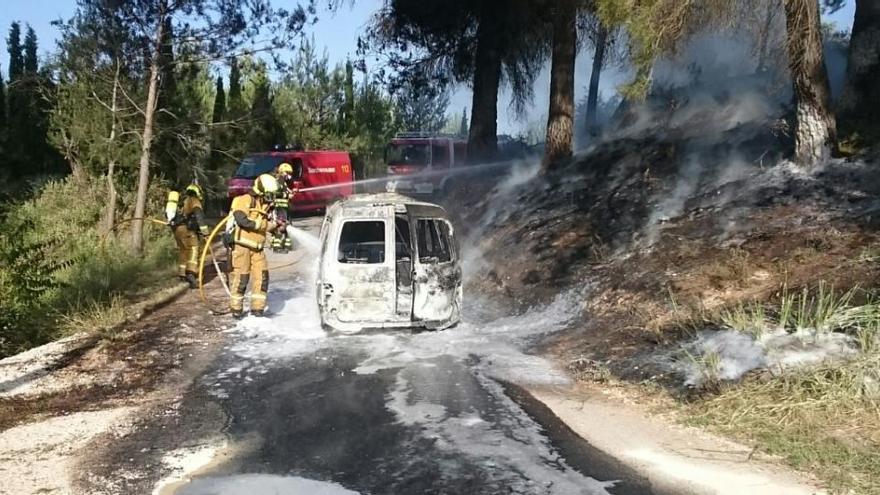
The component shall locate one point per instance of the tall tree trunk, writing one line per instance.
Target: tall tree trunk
(861, 95)
(815, 131)
(560, 121)
(110, 210)
(137, 225)
(593, 94)
(483, 133)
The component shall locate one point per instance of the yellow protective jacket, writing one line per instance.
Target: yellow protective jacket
(285, 195)
(192, 215)
(250, 217)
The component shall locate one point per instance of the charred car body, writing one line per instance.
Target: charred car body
(388, 261)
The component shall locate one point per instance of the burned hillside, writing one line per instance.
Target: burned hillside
(704, 215)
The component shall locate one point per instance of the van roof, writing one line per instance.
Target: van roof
(383, 199)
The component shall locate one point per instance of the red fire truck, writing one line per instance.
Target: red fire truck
(311, 169)
(420, 162)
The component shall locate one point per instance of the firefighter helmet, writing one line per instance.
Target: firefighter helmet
(285, 169)
(195, 190)
(266, 185)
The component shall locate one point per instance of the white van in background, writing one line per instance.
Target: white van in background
(388, 261)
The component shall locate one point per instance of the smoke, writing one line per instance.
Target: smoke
(497, 207)
(728, 355)
(671, 205)
(836, 49)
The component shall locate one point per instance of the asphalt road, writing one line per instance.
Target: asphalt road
(388, 413)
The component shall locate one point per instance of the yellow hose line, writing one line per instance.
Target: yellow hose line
(119, 223)
(154, 220)
(205, 250)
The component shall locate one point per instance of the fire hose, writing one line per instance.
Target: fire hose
(125, 221)
(208, 249)
(205, 250)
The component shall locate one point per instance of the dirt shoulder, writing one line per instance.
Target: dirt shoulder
(64, 401)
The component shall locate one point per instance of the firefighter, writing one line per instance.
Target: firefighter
(249, 226)
(187, 223)
(284, 174)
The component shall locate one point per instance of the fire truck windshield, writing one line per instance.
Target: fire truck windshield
(409, 154)
(254, 165)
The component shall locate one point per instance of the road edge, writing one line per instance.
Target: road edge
(674, 458)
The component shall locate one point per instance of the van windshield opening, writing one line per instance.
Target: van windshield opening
(362, 242)
(254, 165)
(409, 154)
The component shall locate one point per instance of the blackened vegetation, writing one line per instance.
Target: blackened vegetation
(675, 216)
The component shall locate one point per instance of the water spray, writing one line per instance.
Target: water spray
(420, 175)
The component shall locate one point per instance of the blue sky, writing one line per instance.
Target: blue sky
(336, 32)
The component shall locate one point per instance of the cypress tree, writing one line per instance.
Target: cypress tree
(3, 159)
(2, 105)
(234, 103)
(30, 52)
(463, 127)
(347, 124)
(13, 46)
(218, 136)
(219, 102)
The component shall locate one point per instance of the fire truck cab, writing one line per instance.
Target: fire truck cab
(419, 163)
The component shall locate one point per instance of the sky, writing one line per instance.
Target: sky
(337, 33)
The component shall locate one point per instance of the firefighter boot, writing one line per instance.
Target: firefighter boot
(192, 279)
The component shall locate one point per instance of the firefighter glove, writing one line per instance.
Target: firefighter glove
(228, 241)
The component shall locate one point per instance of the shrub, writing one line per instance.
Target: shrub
(54, 261)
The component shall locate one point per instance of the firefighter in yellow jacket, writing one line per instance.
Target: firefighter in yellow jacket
(281, 242)
(188, 223)
(249, 226)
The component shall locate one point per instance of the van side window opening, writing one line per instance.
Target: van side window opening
(297, 168)
(433, 242)
(402, 238)
(362, 242)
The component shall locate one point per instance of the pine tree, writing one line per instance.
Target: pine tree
(166, 143)
(16, 59)
(30, 51)
(560, 121)
(265, 129)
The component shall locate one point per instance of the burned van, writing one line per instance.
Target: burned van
(388, 261)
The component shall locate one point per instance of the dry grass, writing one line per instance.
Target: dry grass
(735, 268)
(104, 318)
(824, 420)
